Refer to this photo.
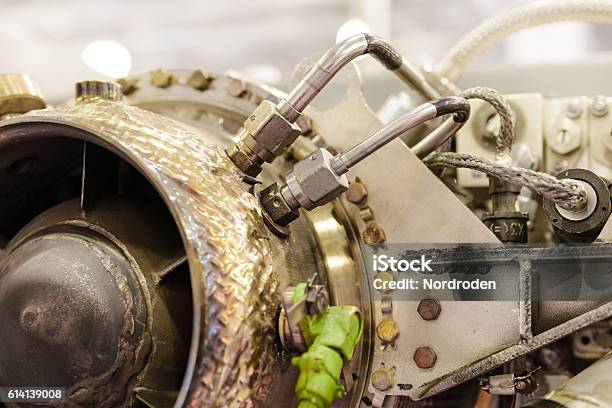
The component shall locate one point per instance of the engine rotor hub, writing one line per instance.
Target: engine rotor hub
(71, 304)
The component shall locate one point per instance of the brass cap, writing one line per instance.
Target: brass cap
(98, 91)
(18, 94)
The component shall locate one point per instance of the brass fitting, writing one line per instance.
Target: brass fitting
(18, 94)
(265, 135)
(98, 91)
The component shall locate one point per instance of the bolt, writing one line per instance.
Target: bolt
(128, 86)
(599, 106)
(236, 87)
(199, 80)
(356, 192)
(387, 330)
(574, 109)
(382, 379)
(384, 277)
(373, 234)
(429, 309)
(425, 357)
(524, 156)
(161, 78)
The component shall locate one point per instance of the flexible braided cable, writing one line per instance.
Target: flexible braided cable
(532, 14)
(506, 117)
(568, 194)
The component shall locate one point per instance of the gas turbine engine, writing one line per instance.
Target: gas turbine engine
(186, 239)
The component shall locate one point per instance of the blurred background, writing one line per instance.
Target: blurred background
(61, 42)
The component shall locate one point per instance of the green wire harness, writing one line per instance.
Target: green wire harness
(331, 337)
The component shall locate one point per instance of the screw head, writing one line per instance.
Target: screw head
(387, 330)
(425, 357)
(599, 106)
(373, 234)
(429, 309)
(574, 109)
(382, 379)
(356, 192)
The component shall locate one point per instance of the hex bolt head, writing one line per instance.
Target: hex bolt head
(425, 357)
(387, 330)
(199, 80)
(385, 277)
(128, 85)
(382, 379)
(356, 192)
(161, 78)
(429, 309)
(236, 87)
(373, 234)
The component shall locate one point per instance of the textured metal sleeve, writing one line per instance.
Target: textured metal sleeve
(383, 52)
(234, 285)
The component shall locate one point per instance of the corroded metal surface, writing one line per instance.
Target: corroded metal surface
(234, 285)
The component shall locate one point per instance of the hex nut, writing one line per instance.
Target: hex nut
(566, 138)
(356, 192)
(161, 78)
(425, 357)
(373, 234)
(243, 161)
(236, 87)
(429, 309)
(385, 277)
(199, 80)
(387, 330)
(315, 182)
(128, 85)
(270, 129)
(275, 205)
(382, 379)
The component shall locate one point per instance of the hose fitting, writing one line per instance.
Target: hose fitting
(320, 177)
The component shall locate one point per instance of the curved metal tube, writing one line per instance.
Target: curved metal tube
(341, 54)
(422, 113)
(590, 388)
(436, 137)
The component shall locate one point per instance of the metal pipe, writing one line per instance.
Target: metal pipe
(436, 137)
(341, 54)
(422, 113)
(590, 388)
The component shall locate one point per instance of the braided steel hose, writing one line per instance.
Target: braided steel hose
(496, 28)
(442, 134)
(568, 194)
(506, 117)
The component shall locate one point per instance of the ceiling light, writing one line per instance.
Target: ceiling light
(108, 58)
